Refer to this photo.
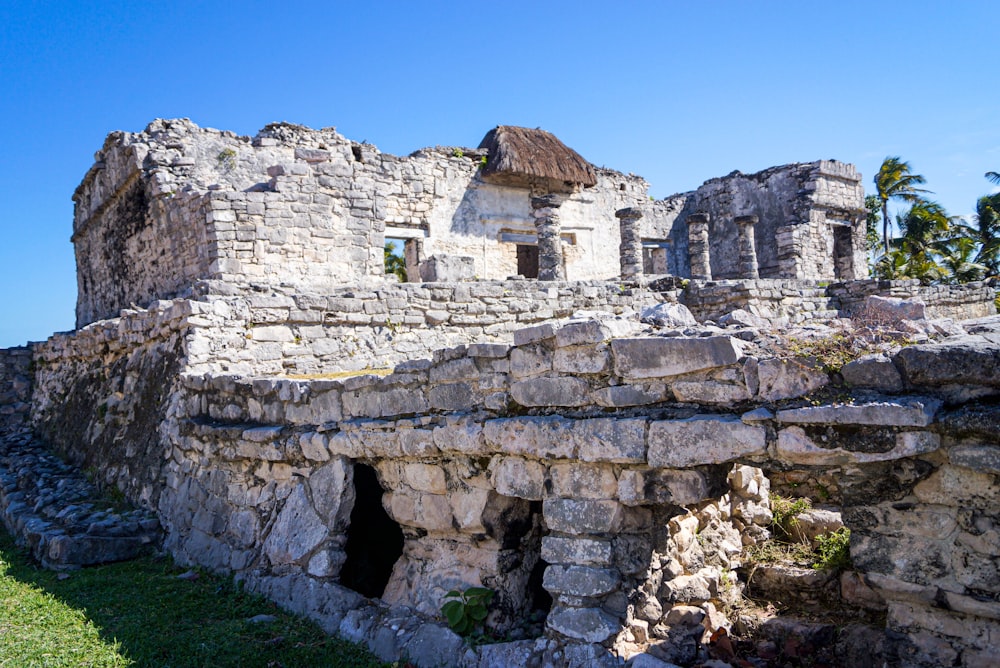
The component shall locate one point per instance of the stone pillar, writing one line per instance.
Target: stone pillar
(747, 246)
(545, 211)
(701, 267)
(630, 250)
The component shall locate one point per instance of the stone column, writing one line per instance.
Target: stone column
(545, 211)
(747, 246)
(701, 267)
(630, 250)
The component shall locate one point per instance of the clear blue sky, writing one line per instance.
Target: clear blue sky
(677, 92)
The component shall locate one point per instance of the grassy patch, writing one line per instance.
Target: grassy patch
(140, 614)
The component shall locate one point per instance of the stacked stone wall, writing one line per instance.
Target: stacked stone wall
(358, 328)
(451, 444)
(782, 302)
(101, 394)
(15, 388)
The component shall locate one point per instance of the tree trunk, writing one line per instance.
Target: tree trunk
(885, 225)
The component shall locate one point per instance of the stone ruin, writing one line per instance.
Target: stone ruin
(591, 434)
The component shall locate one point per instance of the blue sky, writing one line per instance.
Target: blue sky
(676, 92)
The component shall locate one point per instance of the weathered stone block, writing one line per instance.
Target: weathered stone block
(905, 412)
(703, 440)
(620, 396)
(587, 551)
(452, 397)
(873, 371)
(523, 337)
(521, 478)
(460, 435)
(542, 437)
(581, 516)
(580, 333)
(660, 357)
(296, 532)
(788, 378)
(611, 439)
(377, 402)
(710, 392)
(586, 481)
(681, 488)
(580, 580)
(795, 446)
(970, 361)
(550, 392)
(530, 361)
(590, 624)
(983, 458)
(581, 359)
(277, 333)
(425, 477)
(467, 507)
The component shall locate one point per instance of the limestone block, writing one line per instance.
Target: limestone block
(550, 392)
(296, 532)
(661, 357)
(461, 435)
(610, 440)
(462, 368)
(585, 481)
(689, 589)
(982, 458)
(674, 316)
(893, 309)
(589, 624)
(425, 477)
(586, 551)
(530, 361)
(433, 644)
(276, 333)
(547, 437)
(452, 397)
(332, 491)
(315, 446)
(710, 392)
(876, 372)
(959, 486)
(796, 447)
(416, 442)
(581, 359)
(637, 487)
(467, 507)
(521, 478)
(968, 361)
(581, 333)
(788, 378)
(586, 581)
(582, 516)
(904, 412)
(377, 402)
(523, 337)
(431, 512)
(703, 440)
(620, 396)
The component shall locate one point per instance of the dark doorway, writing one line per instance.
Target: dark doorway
(374, 540)
(527, 260)
(843, 252)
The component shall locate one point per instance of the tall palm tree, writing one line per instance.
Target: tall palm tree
(895, 181)
(993, 176)
(926, 233)
(987, 232)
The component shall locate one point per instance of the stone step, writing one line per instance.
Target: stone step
(51, 508)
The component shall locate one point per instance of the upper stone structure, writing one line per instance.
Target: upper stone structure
(178, 210)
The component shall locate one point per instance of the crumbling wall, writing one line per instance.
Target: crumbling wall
(799, 207)
(15, 388)
(102, 394)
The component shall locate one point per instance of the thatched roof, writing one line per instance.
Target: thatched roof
(525, 157)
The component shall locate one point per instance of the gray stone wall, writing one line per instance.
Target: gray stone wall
(799, 206)
(15, 388)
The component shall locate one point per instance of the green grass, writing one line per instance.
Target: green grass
(140, 614)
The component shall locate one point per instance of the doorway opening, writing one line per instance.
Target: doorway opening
(374, 540)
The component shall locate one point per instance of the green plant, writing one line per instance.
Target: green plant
(226, 159)
(834, 550)
(457, 152)
(784, 510)
(482, 162)
(467, 609)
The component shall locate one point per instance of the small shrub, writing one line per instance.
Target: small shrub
(834, 550)
(467, 610)
(458, 153)
(784, 511)
(226, 159)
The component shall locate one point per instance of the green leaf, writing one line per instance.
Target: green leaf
(454, 593)
(454, 612)
(477, 613)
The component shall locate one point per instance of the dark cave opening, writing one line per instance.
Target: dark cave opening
(374, 540)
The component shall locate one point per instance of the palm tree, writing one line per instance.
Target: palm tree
(895, 181)
(994, 177)
(987, 232)
(926, 232)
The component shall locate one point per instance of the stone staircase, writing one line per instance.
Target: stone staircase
(59, 515)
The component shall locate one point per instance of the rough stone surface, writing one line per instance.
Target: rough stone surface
(703, 440)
